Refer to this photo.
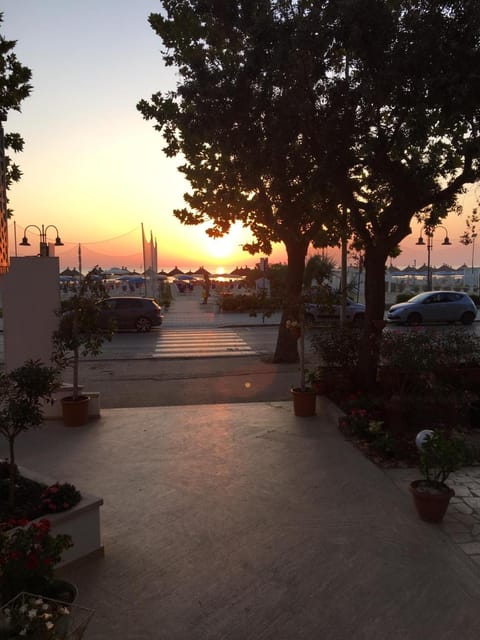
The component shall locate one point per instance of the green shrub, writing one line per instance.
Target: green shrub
(337, 346)
(248, 303)
(427, 351)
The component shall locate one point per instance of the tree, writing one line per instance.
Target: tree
(412, 117)
(14, 88)
(237, 117)
(80, 331)
(22, 392)
(300, 116)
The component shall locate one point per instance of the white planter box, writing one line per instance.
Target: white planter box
(82, 522)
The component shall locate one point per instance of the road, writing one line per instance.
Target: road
(195, 342)
(198, 356)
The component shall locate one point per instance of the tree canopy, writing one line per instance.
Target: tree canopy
(238, 118)
(308, 119)
(14, 88)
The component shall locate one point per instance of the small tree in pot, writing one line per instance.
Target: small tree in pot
(22, 392)
(80, 332)
(304, 396)
(440, 456)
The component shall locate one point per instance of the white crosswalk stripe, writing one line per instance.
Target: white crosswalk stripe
(200, 343)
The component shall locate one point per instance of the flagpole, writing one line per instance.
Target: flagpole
(144, 266)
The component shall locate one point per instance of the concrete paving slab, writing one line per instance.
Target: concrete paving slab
(242, 521)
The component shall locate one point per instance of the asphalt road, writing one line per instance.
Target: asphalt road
(157, 382)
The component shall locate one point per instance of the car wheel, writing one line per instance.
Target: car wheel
(467, 318)
(414, 318)
(143, 325)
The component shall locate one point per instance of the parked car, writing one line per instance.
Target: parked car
(130, 312)
(354, 312)
(434, 306)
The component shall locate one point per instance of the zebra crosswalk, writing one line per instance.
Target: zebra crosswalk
(200, 343)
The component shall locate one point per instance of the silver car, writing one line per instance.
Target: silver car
(434, 306)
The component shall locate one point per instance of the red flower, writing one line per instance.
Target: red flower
(44, 524)
(32, 561)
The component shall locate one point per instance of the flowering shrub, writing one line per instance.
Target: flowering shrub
(28, 555)
(357, 421)
(364, 419)
(337, 346)
(32, 616)
(59, 497)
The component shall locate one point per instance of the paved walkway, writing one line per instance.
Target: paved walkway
(241, 521)
(462, 521)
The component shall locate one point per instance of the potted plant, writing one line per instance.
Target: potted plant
(304, 397)
(316, 378)
(440, 456)
(80, 332)
(22, 392)
(33, 616)
(28, 555)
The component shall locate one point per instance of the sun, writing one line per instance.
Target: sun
(221, 248)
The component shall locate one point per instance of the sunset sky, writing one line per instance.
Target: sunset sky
(93, 167)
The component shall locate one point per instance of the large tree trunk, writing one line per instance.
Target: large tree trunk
(286, 349)
(375, 259)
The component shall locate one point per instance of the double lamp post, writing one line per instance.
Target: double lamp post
(44, 248)
(429, 232)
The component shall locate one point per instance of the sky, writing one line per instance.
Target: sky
(93, 168)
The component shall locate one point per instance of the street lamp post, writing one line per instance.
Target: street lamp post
(44, 252)
(474, 235)
(429, 231)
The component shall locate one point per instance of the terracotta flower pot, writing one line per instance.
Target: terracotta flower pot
(431, 504)
(304, 402)
(75, 412)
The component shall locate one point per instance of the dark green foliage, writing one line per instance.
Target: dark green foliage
(337, 346)
(440, 456)
(14, 88)
(79, 329)
(22, 392)
(425, 361)
(28, 555)
(309, 121)
(248, 303)
(59, 497)
(320, 269)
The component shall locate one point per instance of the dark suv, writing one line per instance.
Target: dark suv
(129, 312)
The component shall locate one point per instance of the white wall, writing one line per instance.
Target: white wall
(30, 297)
